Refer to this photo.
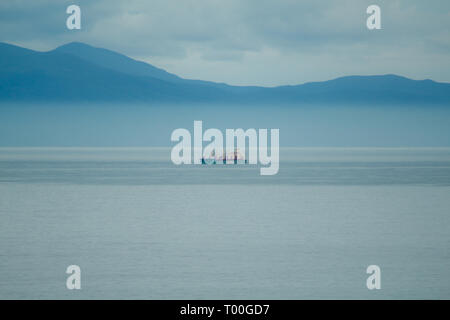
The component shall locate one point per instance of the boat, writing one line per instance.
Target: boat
(235, 157)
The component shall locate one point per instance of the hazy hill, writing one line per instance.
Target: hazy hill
(79, 72)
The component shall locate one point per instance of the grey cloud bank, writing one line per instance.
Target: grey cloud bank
(249, 42)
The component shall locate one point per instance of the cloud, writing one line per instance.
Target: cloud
(263, 42)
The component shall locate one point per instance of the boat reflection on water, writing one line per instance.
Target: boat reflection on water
(232, 157)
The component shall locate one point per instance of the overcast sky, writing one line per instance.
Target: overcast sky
(258, 42)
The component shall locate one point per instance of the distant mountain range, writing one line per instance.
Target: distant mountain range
(79, 72)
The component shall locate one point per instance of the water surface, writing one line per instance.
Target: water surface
(140, 227)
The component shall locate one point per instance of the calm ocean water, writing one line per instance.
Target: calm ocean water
(141, 227)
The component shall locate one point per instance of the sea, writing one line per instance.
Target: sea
(140, 227)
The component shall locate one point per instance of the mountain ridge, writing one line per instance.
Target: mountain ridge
(79, 72)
